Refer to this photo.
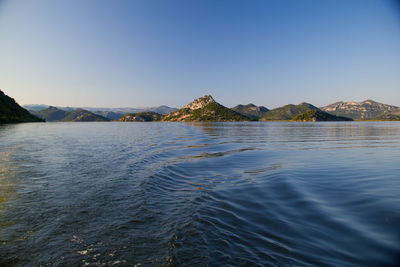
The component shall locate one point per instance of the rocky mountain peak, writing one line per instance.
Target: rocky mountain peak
(365, 110)
(200, 102)
(205, 109)
(370, 102)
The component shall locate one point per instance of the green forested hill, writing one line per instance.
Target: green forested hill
(51, 114)
(83, 115)
(11, 112)
(287, 112)
(56, 114)
(251, 110)
(318, 115)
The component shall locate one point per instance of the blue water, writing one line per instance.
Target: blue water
(201, 194)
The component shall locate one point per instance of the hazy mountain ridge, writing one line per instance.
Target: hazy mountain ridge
(205, 109)
(35, 107)
(159, 109)
(366, 110)
(11, 112)
(54, 114)
(251, 110)
(100, 111)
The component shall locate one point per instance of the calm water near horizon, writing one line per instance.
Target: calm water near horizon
(200, 194)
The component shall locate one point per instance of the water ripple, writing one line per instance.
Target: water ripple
(200, 194)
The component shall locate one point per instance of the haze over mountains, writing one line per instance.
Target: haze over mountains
(45, 111)
(160, 109)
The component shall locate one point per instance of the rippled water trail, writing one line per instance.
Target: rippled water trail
(217, 194)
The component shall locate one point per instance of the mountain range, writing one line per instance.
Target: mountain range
(202, 109)
(104, 111)
(51, 114)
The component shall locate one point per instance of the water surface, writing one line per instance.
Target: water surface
(200, 194)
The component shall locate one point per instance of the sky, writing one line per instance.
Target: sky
(120, 53)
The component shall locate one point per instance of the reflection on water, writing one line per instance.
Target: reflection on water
(156, 194)
(7, 186)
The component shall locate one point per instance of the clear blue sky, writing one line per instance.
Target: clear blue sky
(120, 53)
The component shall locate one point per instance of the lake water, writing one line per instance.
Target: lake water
(201, 194)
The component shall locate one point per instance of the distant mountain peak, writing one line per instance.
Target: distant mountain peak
(251, 110)
(308, 105)
(250, 105)
(200, 102)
